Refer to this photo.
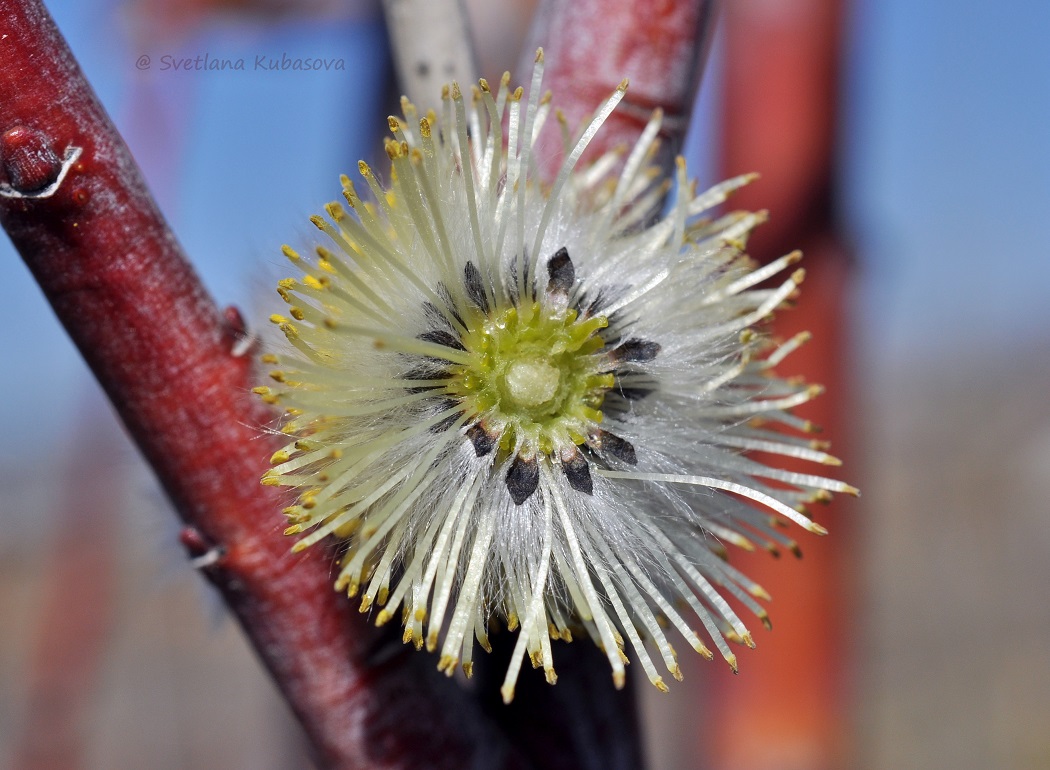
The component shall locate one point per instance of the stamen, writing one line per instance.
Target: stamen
(459, 512)
(581, 571)
(570, 162)
(468, 594)
(535, 606)
(728, 486)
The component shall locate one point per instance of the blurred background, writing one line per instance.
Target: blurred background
(905, 146)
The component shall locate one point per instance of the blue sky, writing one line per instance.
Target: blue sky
(947, 172)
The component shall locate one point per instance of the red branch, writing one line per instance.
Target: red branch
(177, 371)
(591, 45)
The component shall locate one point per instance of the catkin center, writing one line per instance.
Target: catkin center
(534, 376)
(531, 383)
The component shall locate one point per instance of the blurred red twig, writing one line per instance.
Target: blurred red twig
(779, 117)
(76, 606)
(591, 45)
(179, 373)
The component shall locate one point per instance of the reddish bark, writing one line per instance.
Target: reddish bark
(591, 45)
(177, 370)
(780, 112)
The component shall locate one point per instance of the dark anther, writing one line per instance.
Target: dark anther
(522, 479)
(635, 350)
(577, 471)
(612, 444)
(480, 438)
(441, 337)
(562, 273)
(475, 288)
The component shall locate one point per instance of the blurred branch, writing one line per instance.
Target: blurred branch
(783, 64)
(591, 45)
(432, 46)
(780, 114)
(77, 601)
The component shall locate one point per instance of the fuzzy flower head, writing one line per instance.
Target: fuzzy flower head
(526, 404)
